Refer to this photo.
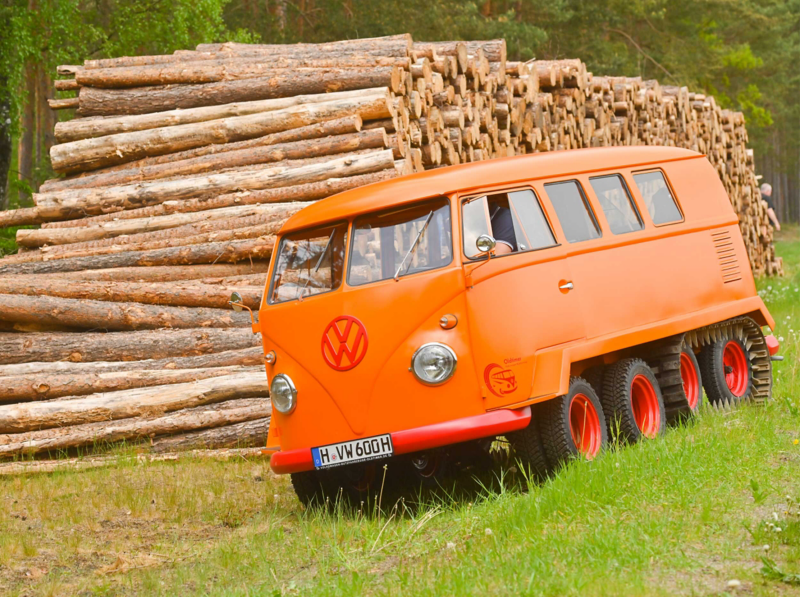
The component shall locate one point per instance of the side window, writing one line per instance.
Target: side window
(573, 211)
(515, 220)
(657, 197)
(616, 203)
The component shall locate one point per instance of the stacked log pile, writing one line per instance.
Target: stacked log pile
(178, 171)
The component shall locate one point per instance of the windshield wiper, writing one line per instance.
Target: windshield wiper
(413, 246)
(319, 263)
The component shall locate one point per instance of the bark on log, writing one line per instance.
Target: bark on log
(337, 126)
(110, 229)
(193, 73)
(229, 358)
(30, 416)
(122, 346)
(144, 100)
(385, 43)
(166, 273)
(251, 433)
(175, 294)
(88, 128)
(373, 139)
(191, 419)
(304, 192)
(69, 103)
(81, 202)
(46, 386)
(105, 315)
(89, 154)
(259, 248)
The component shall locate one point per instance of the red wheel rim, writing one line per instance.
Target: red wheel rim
(691, 383)
(644, 402)
(584, 426)
(737, 369)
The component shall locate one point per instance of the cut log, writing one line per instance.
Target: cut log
(193, 73)
(167, 273)
(209, 416)
(247, 156)
(87, 128)
(30, 416)
(229, 358)
(259, 248)
(251, 433)
(90, 314)
(305, 192)
(176, 294)
(388, 43)
(110, 229)
(191, 419)
(69, 103)
(46, 386)
(104, 199)
(144, 100)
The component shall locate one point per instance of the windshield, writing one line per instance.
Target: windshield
(400, 242)
(309, 262)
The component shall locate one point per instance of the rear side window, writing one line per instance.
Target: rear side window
(657, 197)
(573, 211)
(616, 203)
(537, 231)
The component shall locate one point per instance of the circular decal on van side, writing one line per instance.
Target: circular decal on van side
(500, 381)
(344, 343)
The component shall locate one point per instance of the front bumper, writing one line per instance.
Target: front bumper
(456, 431)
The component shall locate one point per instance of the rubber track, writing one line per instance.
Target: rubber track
(749, 332)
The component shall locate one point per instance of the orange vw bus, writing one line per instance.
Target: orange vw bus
(556, 299)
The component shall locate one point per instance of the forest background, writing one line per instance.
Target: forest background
(744, 52)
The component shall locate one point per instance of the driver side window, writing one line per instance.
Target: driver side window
(514, 219)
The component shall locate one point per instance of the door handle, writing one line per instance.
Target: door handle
(567, 286)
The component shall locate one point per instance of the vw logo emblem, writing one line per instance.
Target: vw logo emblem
(344, 343)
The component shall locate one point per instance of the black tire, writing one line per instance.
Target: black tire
(559, 426)
(527, 447)
(594, 377)
(688, 358)
(623, 404)
(309, 489)
(713, 369)
(352, 485)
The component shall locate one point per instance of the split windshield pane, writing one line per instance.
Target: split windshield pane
(400, 242)
(309, 262)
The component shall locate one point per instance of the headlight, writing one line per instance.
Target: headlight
(434, 363)
(283, 393)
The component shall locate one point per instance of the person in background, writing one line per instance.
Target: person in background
(766, 195)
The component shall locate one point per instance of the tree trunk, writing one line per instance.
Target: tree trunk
(195, 73)
(89, 154)
(145, 100)
(191, 419)
(5, 146)
(106, 230)
(229, 358)
(175, 294)
(89, 128)
(122, 346)
(41, 386)
(30, 416)
(26, 136)
(166, 273)
(373, 139)
(90, 314)
(304, 192)
(251, 433)
(81, 202)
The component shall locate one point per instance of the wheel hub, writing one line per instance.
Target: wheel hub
(644, 402)
(584, 426)
(736, 367)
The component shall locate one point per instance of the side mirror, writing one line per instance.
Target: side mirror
(236, 302)
(485, 243)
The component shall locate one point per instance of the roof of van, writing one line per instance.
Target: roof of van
(465, 177)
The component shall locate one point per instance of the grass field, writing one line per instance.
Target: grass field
(707, 506)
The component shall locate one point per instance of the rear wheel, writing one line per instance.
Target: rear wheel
(632, 401)
(727, 372)
(573, 426)
(691, 379)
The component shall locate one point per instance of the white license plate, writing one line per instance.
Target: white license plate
(357, 450)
